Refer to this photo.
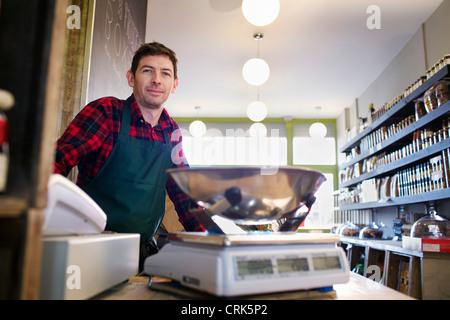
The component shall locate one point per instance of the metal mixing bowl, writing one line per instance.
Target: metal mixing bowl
(248, 195)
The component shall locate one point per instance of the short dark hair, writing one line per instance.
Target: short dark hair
(154, 49)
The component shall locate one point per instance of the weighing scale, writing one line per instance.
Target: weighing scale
(80, 259)
(231, 263)
(253, 263)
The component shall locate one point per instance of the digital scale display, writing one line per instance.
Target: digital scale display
(253, 267)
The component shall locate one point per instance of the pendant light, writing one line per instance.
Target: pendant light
(197, 128)
(256, 75)
(258, 130)
(318, 130)
(256, 71)
(260, 12)
(257, 110)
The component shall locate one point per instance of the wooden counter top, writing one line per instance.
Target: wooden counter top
(358, 288)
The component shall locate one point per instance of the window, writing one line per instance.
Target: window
(314, 153)
(321, 215)
(310, 151)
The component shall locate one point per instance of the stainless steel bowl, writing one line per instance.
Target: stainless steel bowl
(249, 195)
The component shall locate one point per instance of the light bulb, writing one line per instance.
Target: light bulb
(197, 128)
(256, 71)
(260, 12)
(257, 111)
(317, 130)
(258, 130)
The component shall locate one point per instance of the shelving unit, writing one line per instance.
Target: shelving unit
(402, 109)
(422, 275)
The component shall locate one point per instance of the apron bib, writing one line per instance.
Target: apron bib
(131, 186)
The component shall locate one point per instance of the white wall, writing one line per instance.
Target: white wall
(429, 44)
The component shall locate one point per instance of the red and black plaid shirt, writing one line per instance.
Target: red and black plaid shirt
(91, 136)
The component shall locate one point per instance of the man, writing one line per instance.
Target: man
(123, 148)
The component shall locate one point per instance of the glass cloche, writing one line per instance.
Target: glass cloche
(372, 231)
(349, 229)
(432, 226)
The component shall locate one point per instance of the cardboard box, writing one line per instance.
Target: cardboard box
(426, 244)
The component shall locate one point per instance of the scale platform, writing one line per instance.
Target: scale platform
(250, 264)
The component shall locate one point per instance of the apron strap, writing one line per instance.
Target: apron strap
(126, 118)
(166, 138)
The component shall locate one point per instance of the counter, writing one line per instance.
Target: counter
(358, 288)
(422, 275)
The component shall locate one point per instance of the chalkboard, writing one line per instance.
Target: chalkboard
(118, 31)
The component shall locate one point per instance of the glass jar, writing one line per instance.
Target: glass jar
(372, 231)
(349, 229)
(432, 226)
(442, 92)
(420, 109)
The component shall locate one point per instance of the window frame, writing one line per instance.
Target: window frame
(289, 125)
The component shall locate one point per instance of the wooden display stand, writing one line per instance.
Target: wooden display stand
(421, 275)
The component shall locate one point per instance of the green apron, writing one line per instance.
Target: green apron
(131, 186)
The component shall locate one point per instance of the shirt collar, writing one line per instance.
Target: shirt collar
(165, 121)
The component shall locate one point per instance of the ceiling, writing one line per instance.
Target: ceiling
(321, 53)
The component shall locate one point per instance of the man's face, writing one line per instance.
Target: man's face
(153, 82)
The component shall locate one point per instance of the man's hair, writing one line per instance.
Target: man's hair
(154, 49)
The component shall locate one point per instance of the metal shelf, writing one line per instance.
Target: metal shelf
(401, 163)
(417, 198)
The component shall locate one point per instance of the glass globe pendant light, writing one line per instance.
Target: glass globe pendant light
(257, 111)
(258, 130)
(318, 130)
(256, 71)
(260, 12)
(197, 128)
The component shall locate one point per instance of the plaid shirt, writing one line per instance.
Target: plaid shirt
(91, 136)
